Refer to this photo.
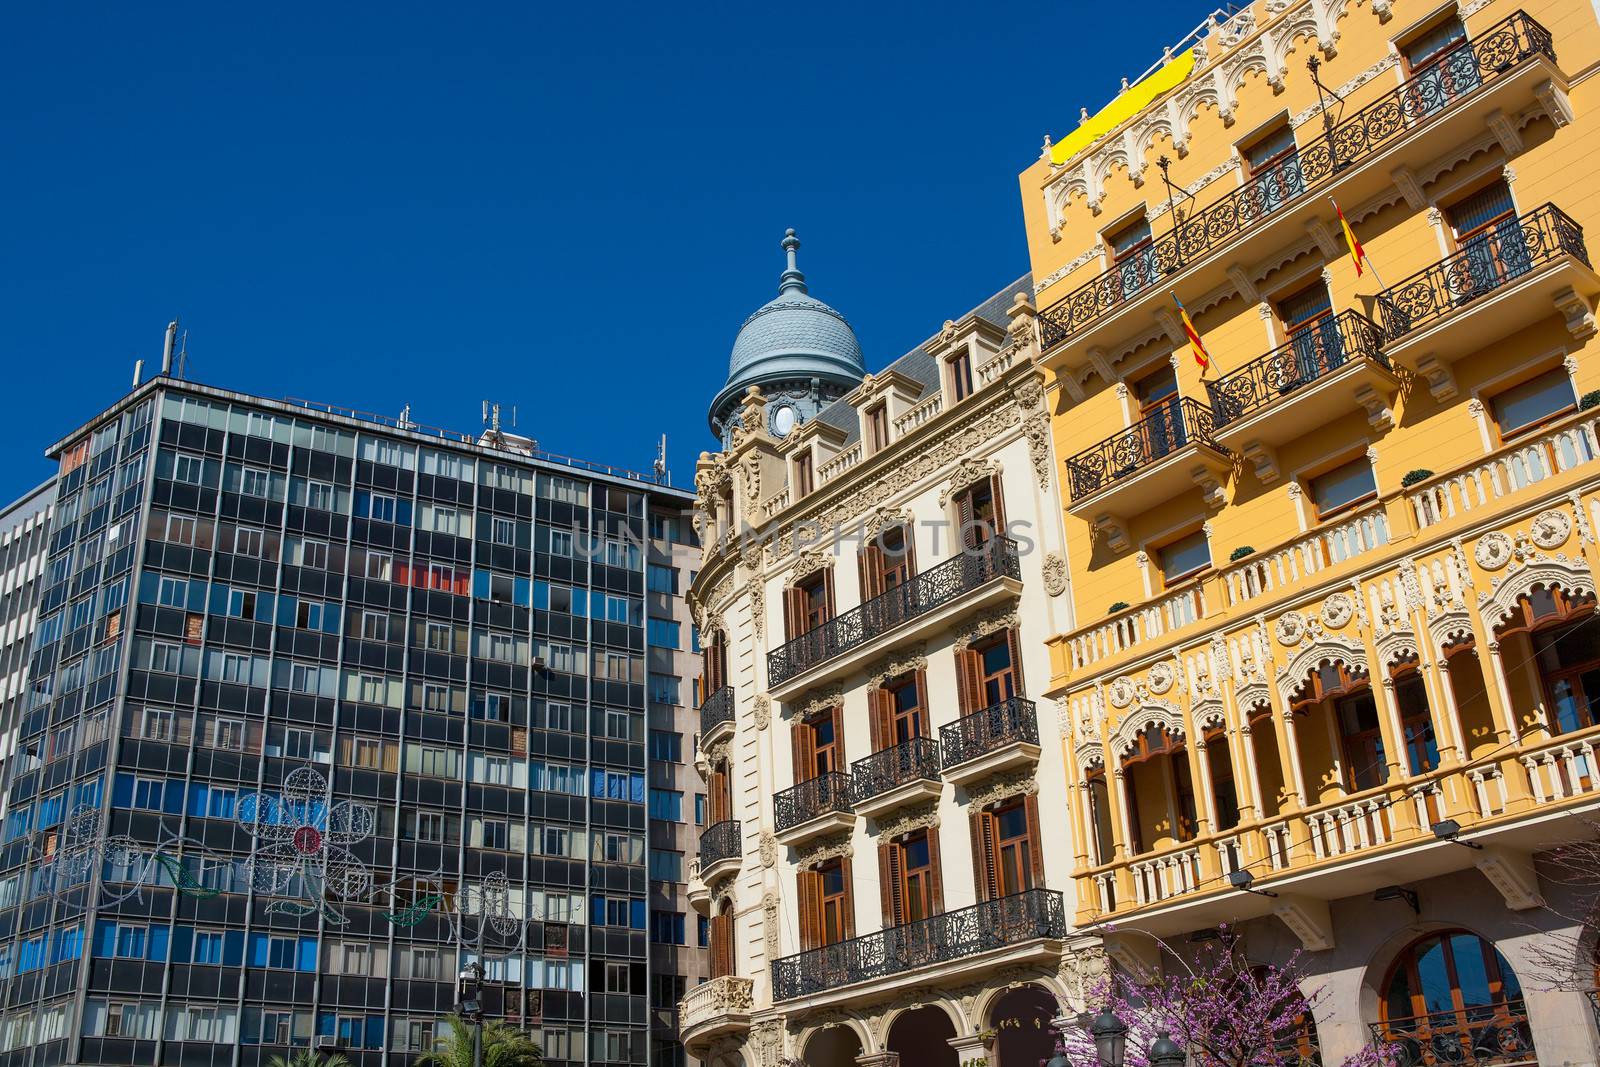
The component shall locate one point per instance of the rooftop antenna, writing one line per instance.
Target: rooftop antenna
(660, 465)
(491, 415)
(167, 346)
(405, 422)
(183, 356)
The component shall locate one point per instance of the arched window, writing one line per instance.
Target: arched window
(1566, 652)
(1452, 998)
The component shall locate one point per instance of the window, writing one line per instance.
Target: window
(430, 827)
(1361, 741)
(663, 633)
(1441, 64)
(666, 804)
(180, 529)
(1416, 724)
(1567, 657)
(254, 482)
(1534, 403)
(1444, 987)
(665, 689)
(374, 625)
(1343, 488)
(314, 555)
(1133, 254)
(165, 658)
(666, 747)
(1007, 846)
(440, 637)
(1318, 347)
(319, 495)
(188, 469)
(878, 427)
(1274, 166)
(905, 714)
(666, 866)
(155, 724)
(1184, 558)
(978, 515)
(379, 566)
(699, 809)
(505, 531)
(811, 603)
(229, 734)
(248, 541)
(996, 672)
(909, 867)
(835, 902)
(960, 366)
(662, 579)
(804, 481)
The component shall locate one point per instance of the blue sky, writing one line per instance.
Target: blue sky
(570, 209)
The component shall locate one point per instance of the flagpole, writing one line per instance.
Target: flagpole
(1344, 224)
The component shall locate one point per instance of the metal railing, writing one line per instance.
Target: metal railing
(933, 588)
(1484, 1034)
(1485, 59)
(952, 935)
(717, 709)
(1492, 259)
(721, 841)
(1158, 435)
(909, 761)
(995, 727)
(823, 795)
(1313, 353)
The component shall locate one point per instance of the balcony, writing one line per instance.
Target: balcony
(696, 890)
(940, 595)
(999, 737)
(1156, 458)
(716, 717)
(1473, 1037)
(889, 780)
(721, 850)
(815, 807)
(1503, 281)
(1507, 68)
(1330, 369)
(997, 933)
(718, 1008)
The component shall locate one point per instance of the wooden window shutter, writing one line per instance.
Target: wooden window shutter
(840, 762)
(935, 871)
(964, 516)
(1014, 641)
(910, 546)
(1035, 842)
(827, 589)
(983, 871)
(969, 690)
(810, 886)
(999, 505)
(849, 900)
(870, 559)
(793, 624)
(878, 717)
(890, 877)
(923, 700)
(805, 751)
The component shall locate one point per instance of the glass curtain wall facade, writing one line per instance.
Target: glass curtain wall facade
(320, 713)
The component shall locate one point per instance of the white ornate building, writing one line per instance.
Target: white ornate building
(887, 839)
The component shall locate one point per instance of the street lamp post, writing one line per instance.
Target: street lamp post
(470, 1006)
(1166, 1052)
(1110, 1038)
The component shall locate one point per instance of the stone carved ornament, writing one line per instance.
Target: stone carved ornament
(1161, 676)
(1493, 551)
(763, 711)
(768, 848)
(1002, 787)
(1055, 573)
(1336, 611)
(758, 609)
(1037, 429)
(921, 817)
(815, 854)
(809, 562)
(1550, 529)
(1083, 969)
(982, 626)
(769, 922)
(911, 659)
(885, 518)
(817, 701)
(968, 471)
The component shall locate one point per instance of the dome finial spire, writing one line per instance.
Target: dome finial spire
(792, 278)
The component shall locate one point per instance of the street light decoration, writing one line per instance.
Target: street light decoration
(300, 847)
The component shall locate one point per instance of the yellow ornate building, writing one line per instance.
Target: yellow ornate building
(1335, 675)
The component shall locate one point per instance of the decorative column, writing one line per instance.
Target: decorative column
(970, 1050)
(879, 1059)
(1404, 815)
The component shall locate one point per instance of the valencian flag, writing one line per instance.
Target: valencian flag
(1200, 355)
(1357, 253)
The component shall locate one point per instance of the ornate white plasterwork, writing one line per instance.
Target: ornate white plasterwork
(1093, 252)
(1337, 610)
(1397, 646)
(968, 470)
(1221, 170)
(1325, 648)
(1569, 574)
(884, 518)
(1054, 570)
(914, 658)
(1208, 713)
(1002, 787)
(1161, 677)
(1387, 62)
(981, 626)
(814, 854)
(921, 817)
(763, 711)
(1550, 528)
(1163, 714)
(809, 561)
(815, 701)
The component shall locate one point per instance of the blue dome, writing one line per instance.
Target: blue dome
(792, 339)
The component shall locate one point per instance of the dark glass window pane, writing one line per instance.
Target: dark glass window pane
(1343, 486)
(1534, 401)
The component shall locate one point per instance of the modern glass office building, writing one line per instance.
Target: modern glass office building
(323, 707)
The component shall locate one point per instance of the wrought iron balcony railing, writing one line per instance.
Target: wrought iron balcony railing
(717, 709)
(909, 761)
(995, 727)
(953, 935)
(1313, 353)
(1154, 437)
(933, 588)
(1490, 260)
(1476, 1036)
(1485, 59)
(811, 799)
(721, 841)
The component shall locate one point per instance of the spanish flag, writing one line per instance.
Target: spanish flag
(1356, 251)
(1200, 355)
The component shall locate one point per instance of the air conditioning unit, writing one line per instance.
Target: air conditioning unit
(538, 663)
(324, 1041)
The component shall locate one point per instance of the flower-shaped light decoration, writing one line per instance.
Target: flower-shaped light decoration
(300, 846)
(84, 846)
(483, 920)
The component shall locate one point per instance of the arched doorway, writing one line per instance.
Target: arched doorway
(1450, 998)
(922, 1038)
(1020, 1019)
(835, 1046)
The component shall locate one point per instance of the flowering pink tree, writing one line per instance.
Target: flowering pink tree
(1221, 1010)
